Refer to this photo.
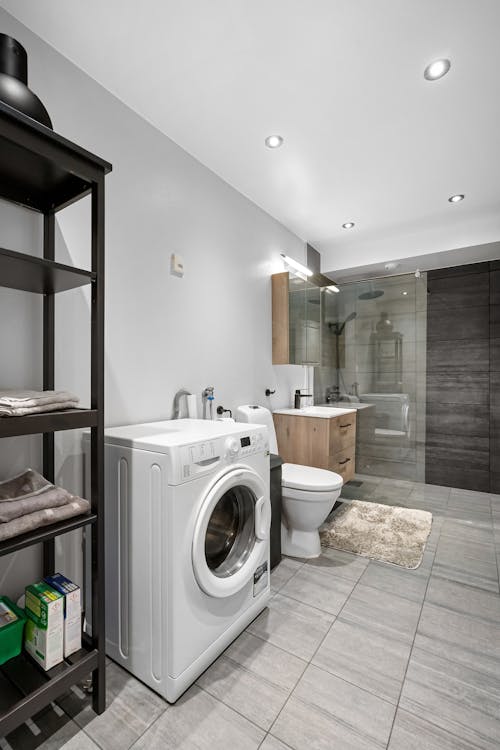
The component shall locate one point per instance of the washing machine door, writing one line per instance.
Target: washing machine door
(231, 536)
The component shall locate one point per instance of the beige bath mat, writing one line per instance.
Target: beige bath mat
(382, 532)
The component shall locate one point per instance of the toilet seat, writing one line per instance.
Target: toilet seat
(307, 496)
(310, 480)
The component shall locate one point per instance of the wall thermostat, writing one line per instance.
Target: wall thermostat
(176, 265)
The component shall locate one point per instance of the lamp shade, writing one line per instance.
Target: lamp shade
(14, 89)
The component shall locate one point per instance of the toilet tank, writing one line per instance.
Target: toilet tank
(258, 415)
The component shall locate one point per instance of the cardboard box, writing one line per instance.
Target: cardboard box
(43, 637)
(72, 611)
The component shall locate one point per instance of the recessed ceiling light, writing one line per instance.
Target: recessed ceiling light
(437, 69)
(274, 141)
(405, 294)
(348, 225)
(456, 198)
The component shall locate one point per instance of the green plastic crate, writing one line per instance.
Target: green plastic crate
(11, 630)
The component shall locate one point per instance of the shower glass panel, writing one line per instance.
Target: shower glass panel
(373, 356)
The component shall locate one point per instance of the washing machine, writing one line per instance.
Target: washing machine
(188, 515)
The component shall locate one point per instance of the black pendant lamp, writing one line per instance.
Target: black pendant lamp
(14, 79)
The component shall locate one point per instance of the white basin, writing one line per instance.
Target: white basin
(357, 406)
(325, 412)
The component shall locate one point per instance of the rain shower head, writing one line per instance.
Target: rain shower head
(371, 294)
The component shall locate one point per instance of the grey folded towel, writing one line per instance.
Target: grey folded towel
(26, 411)
(50, 497)
(22, 525)
(24, 402)
(27, 483)
(24, 398)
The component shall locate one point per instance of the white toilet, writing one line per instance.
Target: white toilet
(308, 493)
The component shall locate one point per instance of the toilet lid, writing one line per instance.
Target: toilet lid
(309, 478)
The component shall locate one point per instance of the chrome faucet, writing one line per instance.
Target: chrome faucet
(332, 394)
(177, 398)
(208, 395)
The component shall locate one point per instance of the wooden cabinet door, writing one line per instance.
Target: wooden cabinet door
(343, 463)
(342, 432)
(280, 313)
(303, 440)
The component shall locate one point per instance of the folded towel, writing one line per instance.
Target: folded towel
(50, 497)
(22, 525)
(26, 411)
(25, 484)
(22, 403)
(24, 398)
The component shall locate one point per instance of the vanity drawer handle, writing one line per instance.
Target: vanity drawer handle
(343, 426)
(341, 463)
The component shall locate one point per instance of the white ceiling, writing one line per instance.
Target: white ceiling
(367, 139)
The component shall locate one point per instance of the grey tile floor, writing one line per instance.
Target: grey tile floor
(351, 654)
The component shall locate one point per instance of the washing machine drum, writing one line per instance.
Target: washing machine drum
(231, 533)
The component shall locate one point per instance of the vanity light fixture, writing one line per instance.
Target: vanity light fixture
(274, 141)
(332, 289)
(456, 198)
(437, 69)
(348, 225)
(296, 265)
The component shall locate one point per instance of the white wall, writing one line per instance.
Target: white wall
(20, 365)
(212, 327)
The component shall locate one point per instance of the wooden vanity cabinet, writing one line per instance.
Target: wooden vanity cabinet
(327, 443)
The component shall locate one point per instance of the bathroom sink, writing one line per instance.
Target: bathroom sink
(355, 405)
(326, 412)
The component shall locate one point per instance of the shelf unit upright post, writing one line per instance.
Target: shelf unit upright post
(49, 560)
(41, 170)
(97, 442)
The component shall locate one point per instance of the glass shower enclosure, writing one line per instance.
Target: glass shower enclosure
(373, 356)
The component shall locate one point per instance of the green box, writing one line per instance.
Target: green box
(43, 636)
(12, 622)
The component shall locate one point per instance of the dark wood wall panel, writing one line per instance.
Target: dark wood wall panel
(460, 425)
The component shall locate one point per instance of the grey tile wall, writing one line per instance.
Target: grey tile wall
(495, 377)
(463, 377)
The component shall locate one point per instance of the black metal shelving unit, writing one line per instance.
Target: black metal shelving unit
(43, 171)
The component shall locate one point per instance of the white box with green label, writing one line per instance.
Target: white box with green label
(44, 633)
(72, 611)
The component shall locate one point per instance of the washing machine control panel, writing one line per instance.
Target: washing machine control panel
(238, 447)
(205, 456)
(232, 447)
